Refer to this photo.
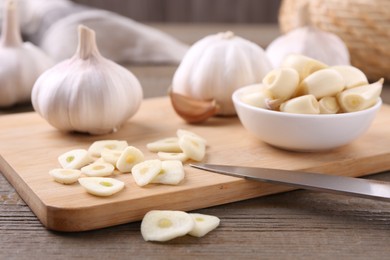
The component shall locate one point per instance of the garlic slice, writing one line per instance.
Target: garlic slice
(192, 147)
(101, 186)
(97, 147)
(182, 132)
(282, 83)
(129, 157)
(111, 156)
(164, 225)
(360, 98)
(322, 83)
(328, 105)
(203, 224)
(65, 176)
(302, 64)
(352, 76)
(169, 145)
(144, 172)
(98, 169)
(306, 104)
(172, 172)
(172, 156)
(74, 159)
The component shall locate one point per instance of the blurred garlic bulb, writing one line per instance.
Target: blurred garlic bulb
(20, 63)
(87, 93)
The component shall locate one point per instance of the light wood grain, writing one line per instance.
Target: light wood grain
(29, 148)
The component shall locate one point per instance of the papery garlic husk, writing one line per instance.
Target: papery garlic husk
(360, 98)
(87, 93)
(217, 65)
(20, 63)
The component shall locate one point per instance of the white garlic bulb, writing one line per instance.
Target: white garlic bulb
(20, 63)
(217, 65)
(87, 93)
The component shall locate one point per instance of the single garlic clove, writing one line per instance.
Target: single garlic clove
(352, 76)
(74, 159)
(302, 64)
(98, 169)
(172, 173)
(322, 83)
(97, 147)
(282, 83)
(306, 104)
(258, 99)
(164, 225)
(168, 145)
(360, 98)
(192, 110)
(65, 176)
(129, 157)
(328, 105)
(172, 156)
(182, 132)
(192, 147)
(144, 172)
(101, 186)
(203, 224)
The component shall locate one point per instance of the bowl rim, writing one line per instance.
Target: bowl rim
(237, 94)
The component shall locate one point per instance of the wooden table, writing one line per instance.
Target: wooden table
(294, 225)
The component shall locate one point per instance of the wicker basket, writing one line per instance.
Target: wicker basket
(364, 26)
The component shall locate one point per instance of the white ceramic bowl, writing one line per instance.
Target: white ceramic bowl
(300, 132)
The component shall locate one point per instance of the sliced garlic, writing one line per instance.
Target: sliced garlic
(164, 225)
(65, 176)
(169, 145)
(306, 104)
(282, 83)
(98, 169)
(328, 105)
(172, 172)
(74, 159)
(302, 64)
(182, 132)
(144, 172)
(352, 76)
(192, 147)
(101, 186)
(203, 224)
(322, 83)
(129, 157)
(111, 156)
(172, 156)
(360, 98)
(97, 147)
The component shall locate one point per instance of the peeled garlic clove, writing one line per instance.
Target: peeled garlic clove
(101, 186)
(360, 98)
(182, 132)
(65, 176)
(322, 83)
(129, 157)
(98, 169)
(168, 145)
(302, 64)
(191, 110)
(203, 224)
(74, 159)
(172, 156)
(172, 172)
(111, 156)
(96, 148)
(164, 225)
(282, 83)
(352, 76)
(192, 147)
(258, 99)
(144, 172)
(306, 104)
(328, 105)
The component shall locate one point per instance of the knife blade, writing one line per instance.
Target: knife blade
(358, 187)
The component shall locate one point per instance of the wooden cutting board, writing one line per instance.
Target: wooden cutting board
(29, 148)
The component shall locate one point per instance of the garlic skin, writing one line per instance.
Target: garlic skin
(20, 63)
(217, 65)
(87, 93)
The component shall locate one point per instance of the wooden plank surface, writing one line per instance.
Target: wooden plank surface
(29, 148)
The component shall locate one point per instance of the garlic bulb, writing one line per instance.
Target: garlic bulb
(21, 63)
(217, 65)
(87, 93)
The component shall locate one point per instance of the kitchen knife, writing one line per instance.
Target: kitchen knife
(370, 189)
